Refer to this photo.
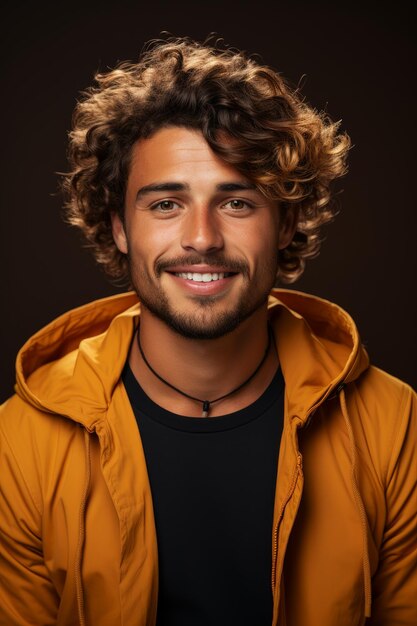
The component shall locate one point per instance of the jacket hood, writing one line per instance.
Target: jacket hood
(318, 345)
(73, 364)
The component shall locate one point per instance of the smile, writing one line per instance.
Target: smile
(205, 277)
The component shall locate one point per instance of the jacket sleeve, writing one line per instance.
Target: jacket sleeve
(395, 581)
(27, 595)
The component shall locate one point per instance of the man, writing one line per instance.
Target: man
(205, 450)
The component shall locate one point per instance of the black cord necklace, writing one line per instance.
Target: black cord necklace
(207, 403)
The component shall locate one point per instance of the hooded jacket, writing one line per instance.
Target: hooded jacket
(78, 543)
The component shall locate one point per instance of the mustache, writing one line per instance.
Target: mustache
(229, 264)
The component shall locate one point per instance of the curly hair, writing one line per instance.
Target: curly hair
(290, 151)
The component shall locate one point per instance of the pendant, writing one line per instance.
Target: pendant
(206, 408)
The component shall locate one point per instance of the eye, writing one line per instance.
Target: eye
(165, 206)
(237, 205)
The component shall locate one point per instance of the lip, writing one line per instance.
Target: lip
(211, 288)
(201, 269)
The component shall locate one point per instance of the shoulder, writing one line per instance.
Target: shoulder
(383, 412)
(381, 395)
(23, 423)
(375, 380)
(34, 445)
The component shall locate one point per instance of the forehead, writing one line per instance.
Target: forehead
(177, 153)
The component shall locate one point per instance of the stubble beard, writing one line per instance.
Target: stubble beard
(204, 322)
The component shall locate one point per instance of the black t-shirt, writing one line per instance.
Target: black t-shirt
(213, 486)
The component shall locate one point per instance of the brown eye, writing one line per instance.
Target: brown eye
(165, 205)
(237, 204)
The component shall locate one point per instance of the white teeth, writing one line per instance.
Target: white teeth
(201, 278)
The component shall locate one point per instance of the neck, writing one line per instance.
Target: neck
(205, 369)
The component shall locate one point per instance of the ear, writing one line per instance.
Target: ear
(119, 234)
(288, 227)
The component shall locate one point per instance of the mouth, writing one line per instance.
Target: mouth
(203, 281)
(204, 277)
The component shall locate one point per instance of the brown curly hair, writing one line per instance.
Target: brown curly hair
(290, 151)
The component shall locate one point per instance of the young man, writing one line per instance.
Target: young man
(205, 450)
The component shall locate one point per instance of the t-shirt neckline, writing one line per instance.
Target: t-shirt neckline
(142, 403)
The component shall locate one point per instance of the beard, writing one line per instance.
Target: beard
(207, 320)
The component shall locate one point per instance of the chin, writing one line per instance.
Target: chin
(206, 323)
(192, 330)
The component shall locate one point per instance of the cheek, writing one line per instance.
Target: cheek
(150, 243)
(258, 243)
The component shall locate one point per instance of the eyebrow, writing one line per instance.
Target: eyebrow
(172, 186)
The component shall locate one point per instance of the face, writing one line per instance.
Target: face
(202, 241)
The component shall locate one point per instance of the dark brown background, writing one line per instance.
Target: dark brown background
(358, 64)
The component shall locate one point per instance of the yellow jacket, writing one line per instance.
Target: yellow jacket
(77, 534)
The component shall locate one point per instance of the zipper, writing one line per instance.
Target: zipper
(298, 471)
(331, 394)
(81, 532)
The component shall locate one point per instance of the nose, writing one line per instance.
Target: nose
(201, 231)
